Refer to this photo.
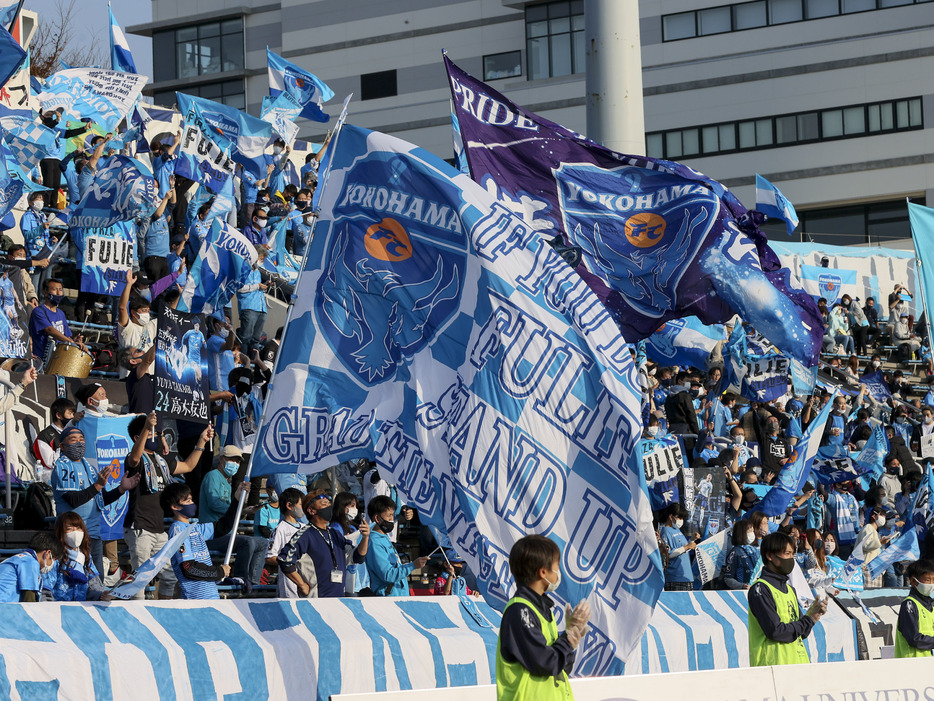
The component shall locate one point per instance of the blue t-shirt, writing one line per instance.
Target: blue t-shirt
(41, 318)
(679, 568)
(254, 300)
(34, 232)
(194, 548)
(69, 476)
(268, 516)
(301, 235)
(157, 237)
(18, 574)
(215, 496)
(281, 481)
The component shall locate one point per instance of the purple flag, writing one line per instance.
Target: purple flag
(656, 240)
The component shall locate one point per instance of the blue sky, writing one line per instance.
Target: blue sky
(92, 25)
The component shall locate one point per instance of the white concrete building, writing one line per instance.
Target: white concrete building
(832, 100)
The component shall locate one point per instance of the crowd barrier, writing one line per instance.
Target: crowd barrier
(884, 680)
(277, 649)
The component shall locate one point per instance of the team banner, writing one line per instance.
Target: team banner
(829, 283)
(434, 333)
(107, 256)
(246, 135)
(662, 460)
(201, 159)
(306, 90)
(220, 269)
(703, 497)
(123, 189)
(876, 385)
(105, 96)
(686, 342)
(181, 368)
(657, 240)
(766, 377)
(108, 444)
(795, 472)
(14, 317)
(282, 112)
(710, 555)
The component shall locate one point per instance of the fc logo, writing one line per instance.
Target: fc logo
(388, 241)
(645, 229)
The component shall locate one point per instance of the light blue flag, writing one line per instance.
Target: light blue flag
(834, 463)
(11, 189)
(220, 269)
(795, 473)
(12, 55)
(922, 233)
(307, 90)
(279, 261)
(105, 96)
(772, 203)
(869, 463)
(204, 155)
(8, 14)
(460, 155)
(921, 515)
(30, 141)
(148, 571)
(108, 443)
(903, 549)
(436, 334)
(246, 136)
(120, 57)
(829, 283)
(122, 190)
(684, 342)
(107, 254)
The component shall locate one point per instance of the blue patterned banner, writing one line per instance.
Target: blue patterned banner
(122, 190)
(434, 333)
(108, 442)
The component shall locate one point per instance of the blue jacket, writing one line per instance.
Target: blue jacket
(384, 566)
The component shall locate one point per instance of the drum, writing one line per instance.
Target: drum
(68, 360)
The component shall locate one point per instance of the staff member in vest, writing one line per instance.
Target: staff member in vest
(532, 659)
(776, 627)
(915, 634)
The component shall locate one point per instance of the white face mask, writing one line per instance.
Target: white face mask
(829, 547)
(924, 588)
(876, 363)
(261, 223)
(45, 569)
(928, 420)
(750, 537)
(74, 539)
(309, 220)
(552, 586)
(679, 522)
(37, 205)
(880, 522)
(739, 440)
(652, 430)
(277, 150)
(352, 513)
(223, 333)
(144, 318)
(103, 405)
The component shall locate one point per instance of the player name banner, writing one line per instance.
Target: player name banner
(212, 165)
(662, 460)
(14, 318)
(181, 368)
(767, 377)
(107, 258)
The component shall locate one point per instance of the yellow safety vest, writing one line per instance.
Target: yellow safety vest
(515, 683)
(925, 627)
(762, 650)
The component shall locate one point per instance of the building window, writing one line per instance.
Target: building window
(861, 224)
(376, 85)
(554, 35)
(203, 49)
(228, 92)
(761, 13)
(504, 65)
(787, 129)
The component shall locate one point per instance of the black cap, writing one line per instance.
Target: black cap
(85, 391)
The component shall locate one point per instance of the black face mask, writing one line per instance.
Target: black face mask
(784, 566)
(386, 526)
(326, 513)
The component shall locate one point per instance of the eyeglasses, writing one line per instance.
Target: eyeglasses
(326, 497)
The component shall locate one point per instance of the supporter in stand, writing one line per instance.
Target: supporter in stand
(346, 518)
(388, 574)
(290, 518)
(17, 252)
(840, 329)
(908, 344)
(859, 325)
(914, 635)
(251, 301)
(678, 575)
(74, 576)
(48, 322)
(776, 627)
(135, 324)
(844, 515)
(266, 517)
(46, 445)
(872, 543)
(923, 429)
(92, 399)
(21, 575)
(743, 559)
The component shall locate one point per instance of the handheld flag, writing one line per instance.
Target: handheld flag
(281, 112)
(922, 234)
(120, 57)
(12, 56)
(904, 548)
(657, 240)
(795, 473)
(305, 88)
(105, 96)
(220, 269)
(686, 342)
(771, 202)
(425, 335)
(123, 189)
(921, 515)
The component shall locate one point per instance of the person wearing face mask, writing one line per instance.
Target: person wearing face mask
(844, 514)
(743, 559)
(388, 574)
(21, 575)
(738, 436)
(16, 254)
(215, 487)
(135, 325)
(532, 659)
(315, 559)
(252, 306)
(302, 219)
(776, 627)
(345, 519)
(923, 429)
(255, 232)
(35, 227)
(74, 576)
(914, 636)
(75, 484)
(890, 483)
(47, 321)
(774, 449)
(196, 573)
(872, 543)
(678, 575)
(267, 515)
(291, 519)
(92, 398)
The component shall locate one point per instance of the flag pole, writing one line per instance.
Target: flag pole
(924, 293)
(320, 192)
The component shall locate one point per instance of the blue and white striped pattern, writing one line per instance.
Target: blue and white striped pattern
(120, 57)
(29, 141)
(307, 89)
(771, 202)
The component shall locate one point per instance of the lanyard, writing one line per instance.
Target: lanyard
(329, 542)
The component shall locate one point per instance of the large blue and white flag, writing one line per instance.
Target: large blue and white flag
(307, 90)
(108, 443)
(434, 333)
(684, 342)
(120, 57)
(29, 140)
(834, 463)
(870, 461)
(201, 158)
(281, 112)
(922, 234)
(105, 96)
(876, 385)
(12, 55)
(656, 239)
(903, 549)
(247, 136)
(122, 190)
(220, 269)
(795, 472)
(772, 203)
(829, 283)
(148, 571)
(921, 515)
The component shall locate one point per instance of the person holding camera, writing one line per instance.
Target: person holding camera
(388, 574)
